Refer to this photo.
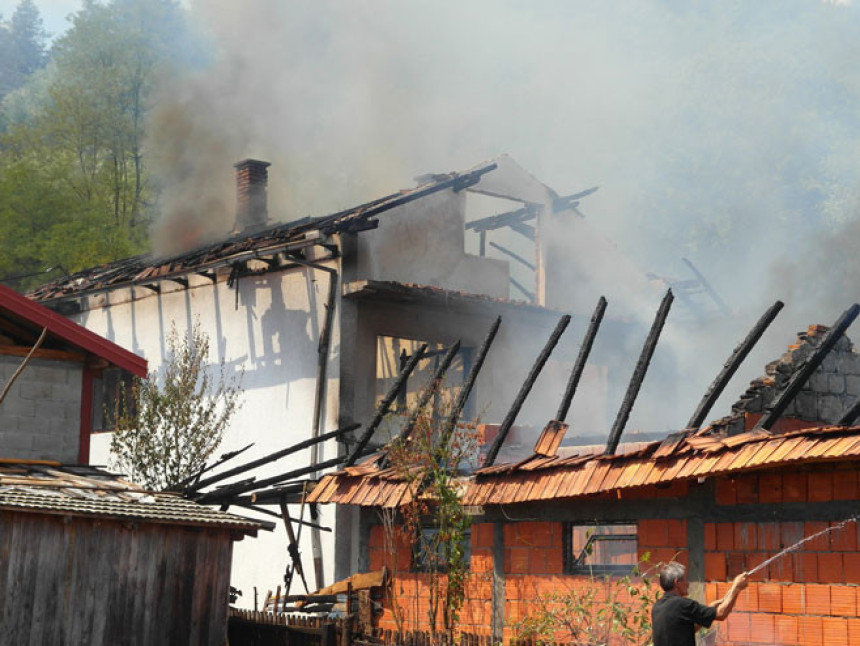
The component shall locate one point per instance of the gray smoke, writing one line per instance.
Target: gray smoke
(726, 132)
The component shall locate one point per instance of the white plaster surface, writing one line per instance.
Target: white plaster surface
(272, 338)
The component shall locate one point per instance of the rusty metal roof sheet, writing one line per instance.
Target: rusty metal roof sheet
(89, 491)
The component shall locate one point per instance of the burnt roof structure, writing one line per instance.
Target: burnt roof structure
(262, 246)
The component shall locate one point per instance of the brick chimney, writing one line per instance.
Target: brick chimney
(252, 211)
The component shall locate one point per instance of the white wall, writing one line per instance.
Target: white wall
(272, 335)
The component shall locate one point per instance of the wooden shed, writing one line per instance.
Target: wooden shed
(87, 558)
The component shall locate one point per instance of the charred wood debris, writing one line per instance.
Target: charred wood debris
(291, 487)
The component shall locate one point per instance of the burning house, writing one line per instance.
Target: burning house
(779, 473)
(324, 315)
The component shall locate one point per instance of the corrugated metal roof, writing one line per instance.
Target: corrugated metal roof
(89, 491)
(679, 457)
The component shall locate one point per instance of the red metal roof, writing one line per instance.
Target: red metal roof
(14, 305)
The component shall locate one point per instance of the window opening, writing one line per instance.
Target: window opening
(393, 353)
(600, 549)
(429, 543)
(112, 385)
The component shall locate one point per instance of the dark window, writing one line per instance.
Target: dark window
(600, 549)
(108, 389)
(429, 543)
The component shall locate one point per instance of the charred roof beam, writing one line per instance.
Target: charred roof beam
(639, 374)
(732, 364)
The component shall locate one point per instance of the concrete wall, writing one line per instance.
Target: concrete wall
(423, 242)
(270, 337)
(40, 419)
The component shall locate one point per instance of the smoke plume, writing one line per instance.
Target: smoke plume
(726, 133)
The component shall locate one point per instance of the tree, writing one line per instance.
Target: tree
(434, 522)
(22, 44)
(179, 419)
(74, 186)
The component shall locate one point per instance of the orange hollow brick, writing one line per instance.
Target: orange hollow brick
(851, 565)
(715, 566)
(782, 570)
(542, 534)
(482, 535)
(785, 630)
(820, 544)
(762, 628)
(738, 625)
(812, 630)
(830, 569)
(726, 493)
(676, 533)
(747, 600)
(725, 537)
(769, 597)
(835, 630)
(710, 537)
(747, 489)
(854, 631)
(793, 599)
(746, 537)
(820, 486)
(845, 485)
(843, 539)
(768, 537)
(770, 488)
(843, 601)
(806, 567)
(794, 487)
(817, 599)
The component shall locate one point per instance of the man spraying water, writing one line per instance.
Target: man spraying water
(674, 617)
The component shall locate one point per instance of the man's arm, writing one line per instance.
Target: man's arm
(724, 606)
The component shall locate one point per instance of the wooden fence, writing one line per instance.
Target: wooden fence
(250, 628)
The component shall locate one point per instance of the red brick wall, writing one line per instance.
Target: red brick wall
(812, 596)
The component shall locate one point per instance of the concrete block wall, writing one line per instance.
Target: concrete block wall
(41, 416)
(830, 391)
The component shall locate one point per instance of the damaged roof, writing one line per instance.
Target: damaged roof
(679, 457)
(51, 488)
(289, 237)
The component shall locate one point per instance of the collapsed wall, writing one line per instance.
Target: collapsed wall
(831, 390)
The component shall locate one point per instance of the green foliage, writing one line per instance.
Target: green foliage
(610, 610)
(179, 419)
(430, 468)
(75, 190)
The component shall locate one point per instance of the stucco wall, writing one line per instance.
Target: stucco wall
(271, 335)
(423, 242)
(40, 418)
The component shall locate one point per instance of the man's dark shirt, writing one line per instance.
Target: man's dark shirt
(674, 619)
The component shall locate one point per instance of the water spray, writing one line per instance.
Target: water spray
(792, 548)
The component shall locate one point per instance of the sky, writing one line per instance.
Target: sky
(725, 132)
(54, 12)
